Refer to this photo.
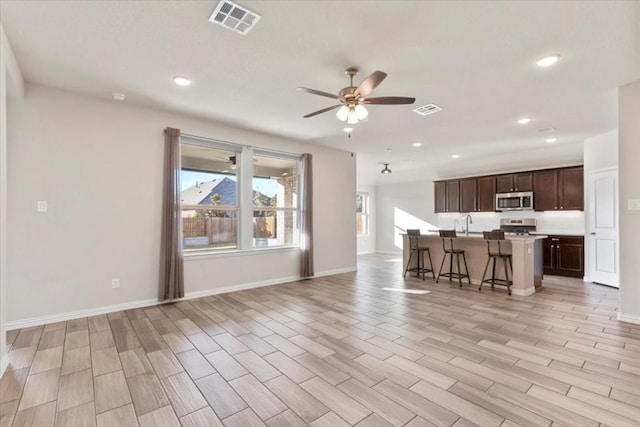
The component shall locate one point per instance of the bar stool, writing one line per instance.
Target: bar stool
(451, 251)
(494, 239)
(416, 249)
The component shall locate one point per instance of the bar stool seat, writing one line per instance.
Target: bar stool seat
(449, 235)
(494, 239)
(415, 249)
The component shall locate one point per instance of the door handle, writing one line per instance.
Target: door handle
(593, 233)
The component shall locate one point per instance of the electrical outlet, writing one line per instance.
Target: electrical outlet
(42, 206)
(115, 283)
(634, 205)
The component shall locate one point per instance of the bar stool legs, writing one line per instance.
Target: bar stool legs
(493, 280)
(420, 269)
(451, 274)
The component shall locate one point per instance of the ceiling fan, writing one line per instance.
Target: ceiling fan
(352, 98)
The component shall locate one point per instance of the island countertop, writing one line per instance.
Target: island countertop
(526, 253)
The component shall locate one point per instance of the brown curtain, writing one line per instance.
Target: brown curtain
(171, 269)
(306, 218)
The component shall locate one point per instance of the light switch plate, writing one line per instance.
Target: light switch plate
(634, 205)
(42, 206)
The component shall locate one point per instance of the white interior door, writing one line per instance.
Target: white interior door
(603, 227)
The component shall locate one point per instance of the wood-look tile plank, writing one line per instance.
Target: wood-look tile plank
(163, 417)
(111, 391)
(123, 416)
(343, 405)
(21, 357)
(98, 324)
(12, 383)
(203, 343)
(262, 401)
(230, 343)
(321, 368)
(135, 362)
(177, 342)
(377, 402)
(246, 418)
(289, 367)
(79, 416)
(77, 325)
(50, 339)
(226, 365)
(76, 339)
(491, 374)
(204, 417)
(7, 412)
(220, 396)
(104, 361)
(355, 370)
(196, 364)
(286, 419)
(164, 363)
(75, 389)
(76, 360)
(28, 337)
(296, 398)
(40, 388)
(101, 339)
(36, 416)
(261, 369)
(147, 393)
(257, 344)
(330, 419)
(374, 420)
(183, 394)
(284, 345)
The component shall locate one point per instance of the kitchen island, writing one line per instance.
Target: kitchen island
(526, 253)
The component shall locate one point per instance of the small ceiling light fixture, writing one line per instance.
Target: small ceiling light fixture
(455, 156)
(386, 169)
(347, 129)
(352, 113)
(389, 150)
(417, 144)
(181, 81)
(524, 120)
(548, 61)
(117, 96)
(551, 140)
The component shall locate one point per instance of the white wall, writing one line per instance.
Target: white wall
(600, 153)
(99, 165)
(629, 189)
(367, 242)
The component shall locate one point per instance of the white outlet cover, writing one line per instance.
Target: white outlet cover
(115, 283)
(42, 206)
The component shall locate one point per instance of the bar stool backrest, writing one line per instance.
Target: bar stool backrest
(447, 235)
(413, 234)
(494, 236)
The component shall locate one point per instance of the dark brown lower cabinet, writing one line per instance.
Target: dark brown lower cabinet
(564, 256)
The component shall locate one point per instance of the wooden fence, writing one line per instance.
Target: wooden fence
(220, 230)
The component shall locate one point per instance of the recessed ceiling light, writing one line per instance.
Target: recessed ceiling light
(455, 156)
(524, 120)
(181, 81)
(548, 61)
(551, 140)
(347, 129)
(417, 144)
(118, 96)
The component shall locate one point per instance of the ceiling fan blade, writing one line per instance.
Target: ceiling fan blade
(317, 92)
(370, 83)
(389, 100)
(324, 110)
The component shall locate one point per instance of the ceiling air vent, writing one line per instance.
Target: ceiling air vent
(425, 110)
(234, 17)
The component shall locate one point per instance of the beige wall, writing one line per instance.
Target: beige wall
(629, 174)
(98, 163)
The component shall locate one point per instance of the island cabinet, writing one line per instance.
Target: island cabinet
(478, 194)
(522, 181)
(558, 189)
(447, 196)
(563, 256)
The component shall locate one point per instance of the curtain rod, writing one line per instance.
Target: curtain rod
(258, 149)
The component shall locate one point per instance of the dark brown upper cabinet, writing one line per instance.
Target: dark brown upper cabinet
(453, 196)
(486, 194)
(558, 189)
(440, 196)
(468, 195)
(522, 181)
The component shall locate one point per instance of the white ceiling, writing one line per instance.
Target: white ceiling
(474, 59)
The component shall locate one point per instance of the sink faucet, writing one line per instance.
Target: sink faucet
(455, 224)
(468, 221)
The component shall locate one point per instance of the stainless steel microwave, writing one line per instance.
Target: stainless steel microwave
(514, 201)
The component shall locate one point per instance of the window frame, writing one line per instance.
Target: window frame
(244, 193)
(366, 213)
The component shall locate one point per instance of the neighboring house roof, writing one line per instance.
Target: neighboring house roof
(200, 194)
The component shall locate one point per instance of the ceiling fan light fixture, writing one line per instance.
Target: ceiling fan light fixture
(361, 112)
(342, 113)
(352, 117)
(386, 169)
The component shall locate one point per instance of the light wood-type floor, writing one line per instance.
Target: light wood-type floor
(336, 351)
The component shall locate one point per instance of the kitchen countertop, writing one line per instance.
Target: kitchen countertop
(478, 235)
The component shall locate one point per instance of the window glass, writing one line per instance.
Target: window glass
(362, 213)
(209, 196)
(275, 200)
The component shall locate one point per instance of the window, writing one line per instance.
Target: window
(275, 201)
(226, 206)
(362, 213)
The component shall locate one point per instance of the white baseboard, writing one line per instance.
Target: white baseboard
(366, 253)
(398, 253)
(629, 318)
(96, 311)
